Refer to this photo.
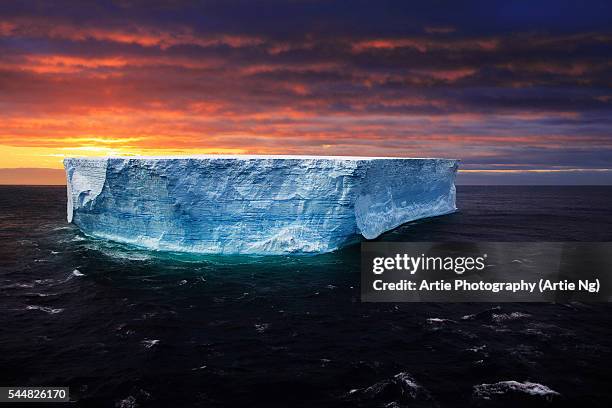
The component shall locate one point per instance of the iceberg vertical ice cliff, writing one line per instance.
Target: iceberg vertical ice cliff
(253, 204)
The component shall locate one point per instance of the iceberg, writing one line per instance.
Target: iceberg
(253, 204)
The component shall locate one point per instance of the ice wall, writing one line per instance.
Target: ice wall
(253, 204)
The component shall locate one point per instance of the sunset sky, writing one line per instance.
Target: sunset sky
(520, 91)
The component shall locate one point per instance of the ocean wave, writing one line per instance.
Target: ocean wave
(17, 286)
(437, 320)
(149, 343)
(202, 367)
(485, 314)
(502, 317)
(45, 309)
(496, 315)
(46, 281)
(62, 228)
(400, 389)
(513, 388)
(477, 349)
(25, 242)
(129, 402)
(41, 294)
(261, 328)
(76, 272)
(134, 401)
(117, 251)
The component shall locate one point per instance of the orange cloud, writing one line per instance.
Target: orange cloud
(423, 44)
(67, 64)
(131, 34)
(450, 74)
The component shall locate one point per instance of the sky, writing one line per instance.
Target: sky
(520, 91)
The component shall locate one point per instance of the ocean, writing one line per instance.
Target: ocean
(124, 327)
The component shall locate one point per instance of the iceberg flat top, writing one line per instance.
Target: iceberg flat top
(260, 156)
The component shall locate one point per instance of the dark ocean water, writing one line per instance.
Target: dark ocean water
(125, 327)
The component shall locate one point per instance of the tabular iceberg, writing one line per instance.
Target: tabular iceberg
(253, 204)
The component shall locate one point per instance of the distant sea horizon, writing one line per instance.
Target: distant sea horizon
(467, 175)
